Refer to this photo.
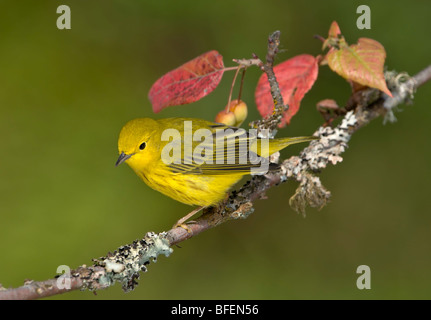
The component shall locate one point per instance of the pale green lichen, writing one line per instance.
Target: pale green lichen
(310, 192)
(403, 88)
(126, 263)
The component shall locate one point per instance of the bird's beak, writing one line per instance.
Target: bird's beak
(123, 157)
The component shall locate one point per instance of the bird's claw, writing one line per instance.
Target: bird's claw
(185, 226)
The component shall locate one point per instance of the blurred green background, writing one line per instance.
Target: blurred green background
(65, 94)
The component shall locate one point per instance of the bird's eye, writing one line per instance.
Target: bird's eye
(142, 146)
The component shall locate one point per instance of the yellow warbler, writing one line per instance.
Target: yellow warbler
(195, 161)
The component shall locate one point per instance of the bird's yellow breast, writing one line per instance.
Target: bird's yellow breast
(191, 189)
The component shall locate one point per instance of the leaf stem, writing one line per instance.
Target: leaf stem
(241, 85)
(231, 88)
(230, 68)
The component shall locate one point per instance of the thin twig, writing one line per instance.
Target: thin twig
(422, 77)
(231, 89)
(241, 84)
(272, 121)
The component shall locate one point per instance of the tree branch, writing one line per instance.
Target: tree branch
(126, 263)
(270, 123)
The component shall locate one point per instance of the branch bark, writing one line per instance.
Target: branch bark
(126, 263)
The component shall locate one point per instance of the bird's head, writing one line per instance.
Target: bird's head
(135, 144)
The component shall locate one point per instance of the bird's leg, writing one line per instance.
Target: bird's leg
(180, 223)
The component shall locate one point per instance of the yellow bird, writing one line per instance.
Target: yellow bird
(192, 160)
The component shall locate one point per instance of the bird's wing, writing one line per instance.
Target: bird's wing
(221, 150)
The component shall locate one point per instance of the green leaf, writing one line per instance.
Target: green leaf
(361, 63)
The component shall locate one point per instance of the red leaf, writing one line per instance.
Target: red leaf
(333, 35)
(188, 83)
(295, 77)
(334, 30)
